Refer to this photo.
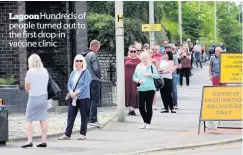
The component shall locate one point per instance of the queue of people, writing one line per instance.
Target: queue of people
(83, 94)
(142, 66)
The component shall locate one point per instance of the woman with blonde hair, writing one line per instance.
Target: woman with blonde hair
(36, 82)
(144, 76)
(185, 58)
(79, 91)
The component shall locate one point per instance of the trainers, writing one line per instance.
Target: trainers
(82, 137)
(154, 107)
(143, 126)
(176, 106)
(148, 127)
(64, 137)
(94, 124)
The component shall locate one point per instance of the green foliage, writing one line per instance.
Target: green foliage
(8, 81)
(102, 27)
(229, 27)
(197, 24)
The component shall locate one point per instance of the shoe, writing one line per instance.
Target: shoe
(132, 113)
(166, 111)
(94, 124)
(154, 107)
(180, 86)
(148, 127)
(143, 126)
(64, 137)
(176, 106)
(82, 137)
(27, 145)
(173, 111)
(42, 145)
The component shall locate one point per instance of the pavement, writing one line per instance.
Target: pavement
(235, 148)
(169, 131)
(56, 124)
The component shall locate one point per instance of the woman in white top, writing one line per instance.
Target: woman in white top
(36, 82)
(197, 49)
(166, 69)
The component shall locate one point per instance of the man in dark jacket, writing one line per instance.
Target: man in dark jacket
(93, 66)
(211, 51)
(222, 46)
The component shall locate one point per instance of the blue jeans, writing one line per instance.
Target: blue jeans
(174, 92)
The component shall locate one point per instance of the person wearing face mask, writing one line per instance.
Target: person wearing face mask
(131, 95)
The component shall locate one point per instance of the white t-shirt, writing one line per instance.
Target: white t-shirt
(197, 48)
(164, 66)
(38, 80)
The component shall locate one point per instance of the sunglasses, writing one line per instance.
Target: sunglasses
(133, 51)
(79, 60)
(139, 50)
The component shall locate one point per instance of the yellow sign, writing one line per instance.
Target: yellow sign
(119, 18)
(231, 68)
(145, 27)
(222, 103)
(151, 27)
(1, 101)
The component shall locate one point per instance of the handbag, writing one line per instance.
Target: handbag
(68, 97)
(159, 83)
(52, 88)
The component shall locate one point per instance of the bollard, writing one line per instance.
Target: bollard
(3, 124)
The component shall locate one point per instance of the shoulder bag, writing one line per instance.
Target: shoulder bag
(52, 88)
(159, 83)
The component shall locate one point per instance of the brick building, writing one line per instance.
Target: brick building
(58, 60)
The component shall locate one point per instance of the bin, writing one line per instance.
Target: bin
(3, 124)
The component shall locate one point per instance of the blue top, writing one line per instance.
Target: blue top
(148, 81)
(83, 84)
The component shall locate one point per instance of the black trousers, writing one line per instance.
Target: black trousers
(145, 105)
(94, 100)
(83, 105)
(166, 94)
(186, 72)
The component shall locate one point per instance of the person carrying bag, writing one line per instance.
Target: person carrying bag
(78, 97)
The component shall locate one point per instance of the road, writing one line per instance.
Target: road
(235, 149)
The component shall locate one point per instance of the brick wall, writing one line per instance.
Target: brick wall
(9, 57)
(15, 98)
(58, 60)
(55, 59)
(105, 59)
